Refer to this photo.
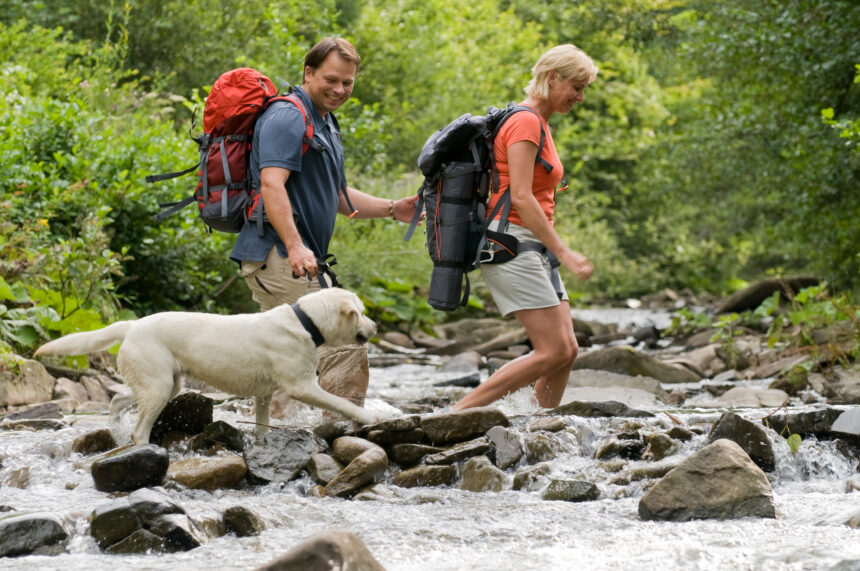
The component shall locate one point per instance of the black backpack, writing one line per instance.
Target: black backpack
(459, 168)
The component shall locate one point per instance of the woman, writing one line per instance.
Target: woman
(524, 287)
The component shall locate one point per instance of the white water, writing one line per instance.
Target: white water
(445, 528)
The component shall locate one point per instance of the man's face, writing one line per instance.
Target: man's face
(330, 85)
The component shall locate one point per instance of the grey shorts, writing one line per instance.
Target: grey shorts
(524, 282)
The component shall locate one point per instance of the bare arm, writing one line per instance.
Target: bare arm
(521, 161)
(372, 207)
(280, 213)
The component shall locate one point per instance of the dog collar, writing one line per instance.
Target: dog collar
(309, 325)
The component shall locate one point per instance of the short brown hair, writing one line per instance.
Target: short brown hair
(324, 47)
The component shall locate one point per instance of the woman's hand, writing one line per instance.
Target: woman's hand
(576, 263)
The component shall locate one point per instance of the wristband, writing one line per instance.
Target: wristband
(391, 209)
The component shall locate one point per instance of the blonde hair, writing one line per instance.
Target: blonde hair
(568, 61)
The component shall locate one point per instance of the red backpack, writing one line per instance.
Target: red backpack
(223, 193)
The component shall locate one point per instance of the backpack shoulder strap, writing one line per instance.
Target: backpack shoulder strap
(308, 139)
(516, 109)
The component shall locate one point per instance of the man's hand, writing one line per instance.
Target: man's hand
(302, 261)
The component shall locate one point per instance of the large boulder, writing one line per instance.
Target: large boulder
(32, 384)
(627, 361)
(130, 468)
(189, 412)
(748, 435)
(717, 482)
(282, 454)
(462, 425)
(22, 534)
(365, 469)
(331, 550)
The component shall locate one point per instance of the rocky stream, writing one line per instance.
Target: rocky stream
(667, 452)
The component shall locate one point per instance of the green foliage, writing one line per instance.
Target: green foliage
(718, 143)
(793, 442)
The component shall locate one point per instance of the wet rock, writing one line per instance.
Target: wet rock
(552, 424)
(424, 476)
(479, 475)
(598, 409)
(220, 432)
(464, 363)
(188, 412)
(212, 473)
(399, 339)
(367, 468)
(628, 361)
(842, 386)
(571, 491)
(854, 521)
(95, 390)
(495, 363)
(541, 446)
(807, 423)
(322, 468)
(532, 478)
(748, 435)
(745, 397)
(43, 411)
(615, 448)
(637, 471)
(23, 534)
(680, 433)
(506, 446)
(603, 379)
(139, 541)
(94, 442)
(406, 455)
(331, 550)
(67, 389)
(33, 384)
(717, 482)
(16, 478)
(128, 469)
(658, 446)
(120, 519)
(847, 424)
(396, 436)
(281, 454)
(328, 431)
(347, 448)
(462, 425)
(242, 522)
(468, 381)
(460, 451)
(676, 398)
(178, 531)
(754, 294)
(633, 398)
(33, 424)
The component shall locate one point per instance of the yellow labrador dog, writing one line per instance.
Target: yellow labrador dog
(246, 355)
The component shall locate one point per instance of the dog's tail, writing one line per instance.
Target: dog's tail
(87, 341)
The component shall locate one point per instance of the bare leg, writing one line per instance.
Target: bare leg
(550, 330)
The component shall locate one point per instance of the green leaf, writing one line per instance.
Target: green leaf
(793, 442)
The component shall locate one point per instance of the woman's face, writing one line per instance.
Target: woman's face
(563, 93)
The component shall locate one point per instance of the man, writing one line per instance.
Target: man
(302, 195)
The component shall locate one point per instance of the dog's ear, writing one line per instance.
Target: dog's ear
(348, 309)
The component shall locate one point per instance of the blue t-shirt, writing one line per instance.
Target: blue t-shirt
(314, 183)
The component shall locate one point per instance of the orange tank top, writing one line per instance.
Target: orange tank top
(525, 126)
